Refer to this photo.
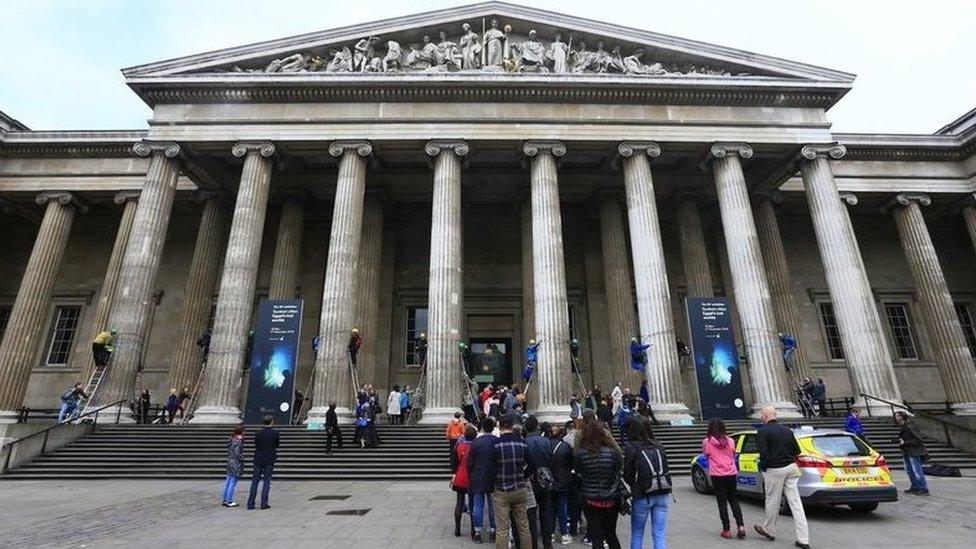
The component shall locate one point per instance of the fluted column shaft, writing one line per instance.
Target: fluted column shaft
(445, 291)
(528, 289)
(969, 215)
(865, 348)
(939, 314)
(133, 300)
(220, 387)
(620, 296)
(752, 296)
(367, 309)
(201, 284)
(778, 274)
(694, 253)
(339, 294)
(553, 370)
(663, 371)
(111, 281)
(288, 250)
(24, 327)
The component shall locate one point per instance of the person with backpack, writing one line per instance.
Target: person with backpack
(363, 420)
(481, 469)
(69, 401)
(172, 404)
(646, 470)
(461, 481)
(598, 461)
(719, 450)
(539, 456)
(913, 449)
(561, 464)
(235, 465)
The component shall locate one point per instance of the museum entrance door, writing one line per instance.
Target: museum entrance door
(491, 360)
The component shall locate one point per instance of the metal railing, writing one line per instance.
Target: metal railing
(9, 447)
(946, 424)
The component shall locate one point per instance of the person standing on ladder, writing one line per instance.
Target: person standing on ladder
(355, 343)
(204, 343)
(531, 359)
(102, 346)
(420, 347)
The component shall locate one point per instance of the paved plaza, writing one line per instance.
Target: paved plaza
(409, 514)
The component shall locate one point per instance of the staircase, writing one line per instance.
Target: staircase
(405, 453)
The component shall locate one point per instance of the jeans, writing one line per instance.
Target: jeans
(229, 487)
(67, 409)
(560, 509)
(478, 510)
(913, 468)
(601, 525)
(656, 507)
(261, 472)
(726, 497)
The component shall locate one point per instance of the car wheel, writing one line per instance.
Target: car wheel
(863, 507)
(700, 481)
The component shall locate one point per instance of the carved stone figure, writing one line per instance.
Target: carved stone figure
(494, 45)
(581, 60)
(365, 59)
(432, 54)
(470, 48)
(342, 60)
(450, 53)
(616, 60)
(601, 59)
(416, 59)
(293, 63)
(532, 55)
(634, 64)
(558, 53)
(393, 60)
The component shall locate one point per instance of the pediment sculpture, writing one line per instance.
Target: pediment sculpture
(493, 50)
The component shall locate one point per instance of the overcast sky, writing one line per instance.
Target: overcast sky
(60, 60)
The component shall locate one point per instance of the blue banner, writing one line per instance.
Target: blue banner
(716, 360)
(274, 357)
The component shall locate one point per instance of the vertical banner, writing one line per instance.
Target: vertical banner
(274, 357)
(716, 360)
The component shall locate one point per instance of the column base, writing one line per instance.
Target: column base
(672, 411)
(438, 416)
(9, 416)
(551, 414)
(217, 415)
(964, 408)
(786, 410)
(344, 415)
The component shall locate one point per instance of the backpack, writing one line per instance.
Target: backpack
(654, 466)
(940, 470)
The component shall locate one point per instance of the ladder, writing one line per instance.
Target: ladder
(354, 377)
(197, 386)
(417, 397)
(302, 412)
(97, 375)
(471, 388)
(578, 375)
(806, 405)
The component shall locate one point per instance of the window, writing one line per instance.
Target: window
(62, 334)
(416, 324)
(835, 349)
(4, 318)
(962, 311)
(899, 322)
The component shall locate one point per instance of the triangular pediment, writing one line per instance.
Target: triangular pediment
(492, 38)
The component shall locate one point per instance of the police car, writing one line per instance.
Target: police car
(837, 468)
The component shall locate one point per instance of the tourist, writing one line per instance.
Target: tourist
(481, 468)
(404, 404)
(102, 346)
(777, 461)
(575, 412)
(69, 402)
(646, 470)
(510, 468)
(393, 406)
(598, 461)
(172, 404)
(820, 396)
(561, 464)
(363, 420)
(645, 410)
(332, 428)
(461, 481)
(143, 406)
(913, 449)
(644, 393)
(617, 397)
(266, 444)
(605, 411)
(485, 394)
(539, 457)
(181, 400)
(852, 423)
(624, 414)
(453, 433)
(719, 450)
(235, 465)
(510, 401)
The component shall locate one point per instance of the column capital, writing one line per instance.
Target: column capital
(627, 149)
(434, 147)
(203, 196)
(849, 198)
(61, 197)
(834, 151)
(264, 148)
(534, 147)
(721, 150)
(362, 148)
(122, 197)
(168, 149)
(906, 199)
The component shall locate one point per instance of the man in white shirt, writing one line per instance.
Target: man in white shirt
(618, 396)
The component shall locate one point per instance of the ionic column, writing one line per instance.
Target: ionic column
(24, 327)
(367, 310)
(938, 312)
(865, 348)
(620, 296)
(133, 300)
(663, 371)
(220, 393)
(288, 250)
(201, 284)
(694, 253)
(129, 201)
(969, 215)
(553, 371)
(778, 274)
(339, 294)
(752, 297)
(528, 297)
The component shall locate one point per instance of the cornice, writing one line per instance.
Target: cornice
(70, 144)
(907, 147)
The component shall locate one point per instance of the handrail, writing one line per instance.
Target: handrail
(945, 423)
(9, 445)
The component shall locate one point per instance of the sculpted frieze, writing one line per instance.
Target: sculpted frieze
(495, 49)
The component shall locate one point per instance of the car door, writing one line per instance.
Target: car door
(749, 479)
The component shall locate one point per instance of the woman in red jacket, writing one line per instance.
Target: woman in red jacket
(461, 482)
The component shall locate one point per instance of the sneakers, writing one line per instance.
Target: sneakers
(741, 532)
(566, 539)
(230, 504)
(921, 492)
(762, 532)
(727, 534)
(911, 490)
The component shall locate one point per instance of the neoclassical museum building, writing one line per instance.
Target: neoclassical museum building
(490, 174)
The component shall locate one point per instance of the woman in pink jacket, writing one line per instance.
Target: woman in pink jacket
(719, 449)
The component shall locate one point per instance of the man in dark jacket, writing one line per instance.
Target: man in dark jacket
(480, 474)
(538, 455)
(332, 428)
(266, 444)
(777, 461)
(563, 486)
(509, 474)
(913, 448)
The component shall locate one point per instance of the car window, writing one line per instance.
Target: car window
(749, 445)
(839, 446)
